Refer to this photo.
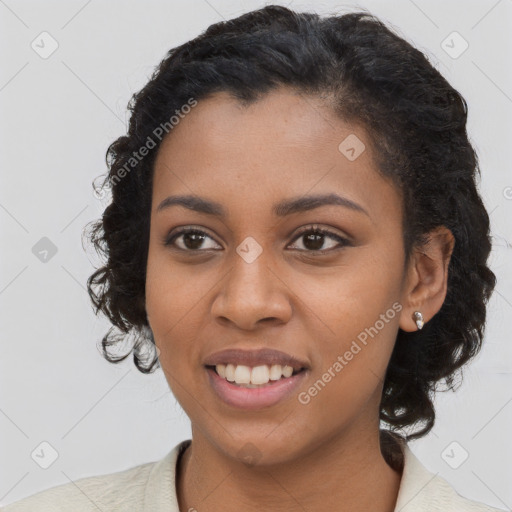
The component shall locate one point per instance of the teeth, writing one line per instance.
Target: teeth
(275, 372)
(221, 370)
(260, 375)
(230, 372)
(251, 377)
(287, 371)
(242, 374)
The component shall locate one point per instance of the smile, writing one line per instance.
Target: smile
(255, 376)
(249, 388)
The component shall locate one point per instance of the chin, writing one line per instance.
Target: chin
(259, 449)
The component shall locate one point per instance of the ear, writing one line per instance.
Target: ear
(427, 278)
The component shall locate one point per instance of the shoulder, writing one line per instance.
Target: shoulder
(120, 491)
(446, 498)
(424, 491)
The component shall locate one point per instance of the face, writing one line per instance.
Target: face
(323, 284)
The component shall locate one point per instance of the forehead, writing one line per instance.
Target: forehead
(284, 144)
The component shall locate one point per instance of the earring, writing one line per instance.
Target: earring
(418, 318)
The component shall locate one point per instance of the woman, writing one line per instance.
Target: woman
(296, 238)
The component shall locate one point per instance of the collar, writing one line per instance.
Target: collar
(160, 494)
(415, 492)
(417, 485)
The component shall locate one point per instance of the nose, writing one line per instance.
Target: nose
(251, 294)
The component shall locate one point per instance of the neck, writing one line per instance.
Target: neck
(345, 473)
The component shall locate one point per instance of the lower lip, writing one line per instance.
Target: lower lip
(254, 398)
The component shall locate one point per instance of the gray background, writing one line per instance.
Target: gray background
(57, 117)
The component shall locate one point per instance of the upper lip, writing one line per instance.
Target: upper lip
(254, 358)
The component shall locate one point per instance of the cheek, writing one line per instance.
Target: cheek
(173, 290)
(350, 366)
(352, 296)
(355, 314)
(173, 303)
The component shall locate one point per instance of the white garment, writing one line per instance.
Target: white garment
(151, 487)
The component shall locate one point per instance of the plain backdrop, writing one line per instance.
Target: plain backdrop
(59, 113)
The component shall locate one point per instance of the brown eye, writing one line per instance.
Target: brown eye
(314, 240)
(191, 240)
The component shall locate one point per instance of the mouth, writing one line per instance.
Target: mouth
(254, 377)
(248, 395)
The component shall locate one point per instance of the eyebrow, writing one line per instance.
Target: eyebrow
(282, 209)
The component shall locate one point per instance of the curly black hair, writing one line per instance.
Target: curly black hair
(417, 126)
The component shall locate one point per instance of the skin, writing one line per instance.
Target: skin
(324, 455)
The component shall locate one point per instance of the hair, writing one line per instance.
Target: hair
(417, 126)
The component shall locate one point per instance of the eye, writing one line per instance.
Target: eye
(192, 239)
(314, 238)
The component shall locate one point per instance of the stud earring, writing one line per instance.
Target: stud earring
(418, 318)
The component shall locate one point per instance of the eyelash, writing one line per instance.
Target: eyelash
(309, 229)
